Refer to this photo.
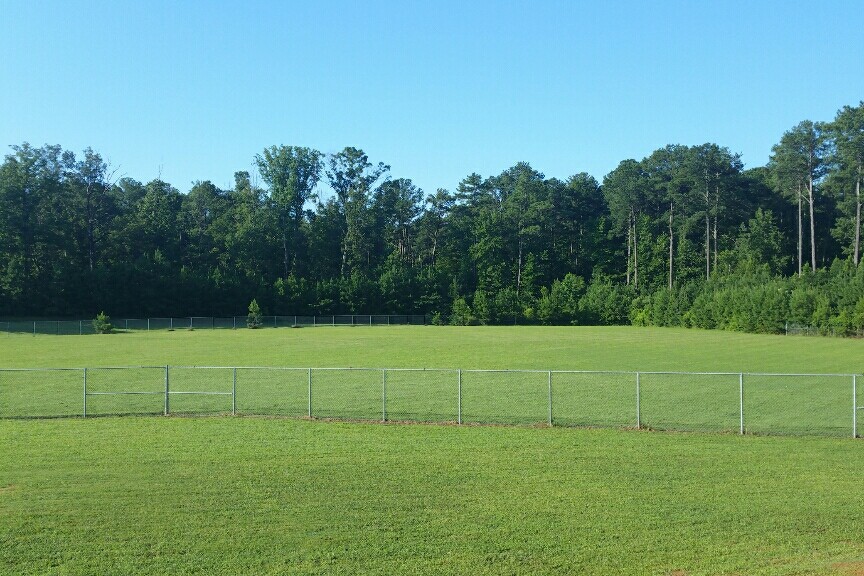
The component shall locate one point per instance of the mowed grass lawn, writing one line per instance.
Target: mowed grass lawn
(801, 405)
(143, 495)
(483, 347)
(221, 495)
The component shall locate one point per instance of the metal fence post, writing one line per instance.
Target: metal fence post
(167, 406)
(234, 393)
(854, 406)
(458, 393)
(550, 397)
(383, 393)
(85, 393)
(741, 400)
(148, 324)
(638, 402)
(310, 391)
(34, 328)
(80, 327)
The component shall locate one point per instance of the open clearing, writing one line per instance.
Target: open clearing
(145, 495)
(484, 347)
(262, 496)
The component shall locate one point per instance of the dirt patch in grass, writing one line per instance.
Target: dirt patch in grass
(849, 568)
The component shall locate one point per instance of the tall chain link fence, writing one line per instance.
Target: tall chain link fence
(740, 403)
(69, 327)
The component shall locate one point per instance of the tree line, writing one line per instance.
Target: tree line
(683, 237)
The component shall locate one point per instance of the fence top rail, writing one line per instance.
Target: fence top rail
(42, 369)
(162, 367)
(838, 375)
(432, 369)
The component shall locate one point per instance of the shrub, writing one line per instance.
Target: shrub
(253, 319)
(102, 324)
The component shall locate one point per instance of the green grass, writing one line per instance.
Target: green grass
(261, 496)
(146, 495)
(544, 348)
(801, 405)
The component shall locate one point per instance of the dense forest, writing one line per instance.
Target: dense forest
(683, 237)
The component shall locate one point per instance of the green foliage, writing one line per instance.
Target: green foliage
(102, 324)
(461, 314)
(674, 239)
(254, 319)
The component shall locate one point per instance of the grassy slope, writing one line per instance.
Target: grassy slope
(586, 348)
(221, 495)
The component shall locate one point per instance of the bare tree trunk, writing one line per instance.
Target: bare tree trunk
(707, 230)
(707, 246)
(519, 269)
(670, 245)
(635, 254)
(858, 216)
(285, 252)
(629, 239)
(812, 225)
(91, 233)
(714, 234)
(800, 233)
(716, 210)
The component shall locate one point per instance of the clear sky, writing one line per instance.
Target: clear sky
(193, 90)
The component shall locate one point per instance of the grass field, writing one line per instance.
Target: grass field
(801, 405)
(262, 496)
(143, 495)
(485, 347)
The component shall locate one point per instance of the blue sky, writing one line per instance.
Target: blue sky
(193, 90)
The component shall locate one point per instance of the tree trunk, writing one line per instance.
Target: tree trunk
(285, 252)
(707, 229)
(635, 255)
(812, 225)
(519, 269)
(716, 210)
(715, 243)
(707, 246)
(629, 240)
(858, 216)
(670, 245)
(800, 233)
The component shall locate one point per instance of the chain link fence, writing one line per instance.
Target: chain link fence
(740, 403)
(69, 327)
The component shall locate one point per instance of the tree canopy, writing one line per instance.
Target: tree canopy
(685, 236)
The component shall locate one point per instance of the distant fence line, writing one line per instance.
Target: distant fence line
(740, 403)
(68, 327)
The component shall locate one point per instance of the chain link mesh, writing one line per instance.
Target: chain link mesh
(594, 399)
(41, 393)
(798, 404)
(772, 403)
(690, 402)
(195, 390)
(273, 391)
(128, 390)
(349, 393)
(422, 395)
(505, 397)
